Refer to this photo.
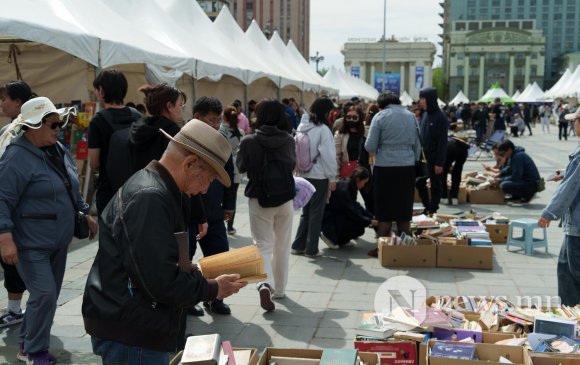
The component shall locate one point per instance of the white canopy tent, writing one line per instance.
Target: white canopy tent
(363, 89)
(459, 98)
(565, 85)
(297, 70)
(494, 93)
(516, 94)
(345, 88)
(406, 99)
(297, 56)
(558, 85)
(532, 94)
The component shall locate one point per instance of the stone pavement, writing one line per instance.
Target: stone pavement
(326, 296)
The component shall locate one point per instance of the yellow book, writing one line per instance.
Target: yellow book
(246, 261)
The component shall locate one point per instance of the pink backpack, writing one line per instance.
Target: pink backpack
(304, 162)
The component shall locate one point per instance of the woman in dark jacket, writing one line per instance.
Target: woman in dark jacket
(270, 222)
(344, 218)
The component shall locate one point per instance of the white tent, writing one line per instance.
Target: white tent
(493, 93)
(363, 89)
(516, 94)
(561, 81)
(459, 98)
(346, 88)
(532, 94)
(297, 70)
(297, 56)
(441, 103)
(406, 99)
(571, 88)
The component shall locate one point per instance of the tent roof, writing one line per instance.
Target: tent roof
(278, 45)
(459, 98)
(554, 92)
(516, 94)
(406, 99)
(532, 94)
(570, 88)
(493, 93)
(336, 79)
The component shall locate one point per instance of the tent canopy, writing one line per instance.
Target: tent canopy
(532, 94)
(349, 86)
(495, 92)
(406, 99)
(459, 99)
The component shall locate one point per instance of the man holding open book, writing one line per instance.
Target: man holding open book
(142, 278)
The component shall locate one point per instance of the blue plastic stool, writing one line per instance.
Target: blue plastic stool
(527, 240)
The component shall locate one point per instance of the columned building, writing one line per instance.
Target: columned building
(408, 64)
(481, 53)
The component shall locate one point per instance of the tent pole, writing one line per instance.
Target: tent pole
(245, 97)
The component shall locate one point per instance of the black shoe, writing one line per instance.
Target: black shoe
(266, 298)
(196, 310)
(218, 306)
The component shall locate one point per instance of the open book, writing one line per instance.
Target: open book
(245, 261)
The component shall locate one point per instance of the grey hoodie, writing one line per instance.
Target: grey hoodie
(34, 203)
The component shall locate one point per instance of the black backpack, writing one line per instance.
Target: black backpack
(119, 154)
(275, 182)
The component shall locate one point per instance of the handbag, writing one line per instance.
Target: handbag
(346, 168)
(421, 169)
(81, 225)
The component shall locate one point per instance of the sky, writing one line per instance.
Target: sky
(333, 22)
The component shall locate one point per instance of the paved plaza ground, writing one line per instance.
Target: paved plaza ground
(326, 295)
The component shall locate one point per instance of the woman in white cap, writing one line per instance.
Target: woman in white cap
(39, 202)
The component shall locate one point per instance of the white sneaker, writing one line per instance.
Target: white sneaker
(454, 201)
(278, 295)
(328, 242)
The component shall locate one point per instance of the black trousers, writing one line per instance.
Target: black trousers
(431, 203)
(563, 130)
(12, 280)
(456, 157)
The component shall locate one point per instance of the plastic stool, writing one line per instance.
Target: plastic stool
(527, 240)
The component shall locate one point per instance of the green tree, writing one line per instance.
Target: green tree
(439, 83)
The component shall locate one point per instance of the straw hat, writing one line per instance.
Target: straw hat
(206, 143)
(573, 116)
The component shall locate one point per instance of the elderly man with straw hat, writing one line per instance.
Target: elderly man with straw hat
(142, 278)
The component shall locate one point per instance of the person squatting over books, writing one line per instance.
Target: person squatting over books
(565, 204)
(135, 295)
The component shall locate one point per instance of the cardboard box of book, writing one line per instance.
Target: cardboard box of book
(390, 352)
(240, 360)
(498, 232)
(210, 350)
(551, 358)
(465, 256)
(420, 255)
(442, 353)
(284, 356)
(486, 196)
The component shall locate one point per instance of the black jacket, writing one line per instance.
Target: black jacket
(434, 126)
(137, 246)
(267, 139)
(218, 198)
(343, 207)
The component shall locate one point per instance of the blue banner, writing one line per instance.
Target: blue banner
(392, 82)
(419, 77)
(355, 71)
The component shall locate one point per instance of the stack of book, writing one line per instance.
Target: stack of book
(474, 231)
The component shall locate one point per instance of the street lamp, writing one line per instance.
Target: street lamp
(384, 45)
(317, 58)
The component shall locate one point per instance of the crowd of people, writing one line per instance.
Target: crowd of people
(185, 176)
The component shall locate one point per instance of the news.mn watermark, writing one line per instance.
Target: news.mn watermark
(401, 292)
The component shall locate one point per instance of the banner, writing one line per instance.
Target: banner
(392, 82)
(355, 71)
(419, 77)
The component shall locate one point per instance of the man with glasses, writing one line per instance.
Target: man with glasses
(519, 178)
(218, 202)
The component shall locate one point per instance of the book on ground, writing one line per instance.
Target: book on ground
(245, 261)
(339, 357)
(202, 350)
(372, 325)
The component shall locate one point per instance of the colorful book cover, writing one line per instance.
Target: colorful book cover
(339, 357)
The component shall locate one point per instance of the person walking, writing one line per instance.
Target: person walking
(39, 200)
(270, 177)
(563, 123)
(322, 176)
(565, 205)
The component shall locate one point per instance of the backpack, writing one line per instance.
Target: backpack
(118, 167)
(276, 182)
(304, 161)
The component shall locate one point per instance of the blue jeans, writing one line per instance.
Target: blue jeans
(569, 271)
(115, 353)
(519, 189)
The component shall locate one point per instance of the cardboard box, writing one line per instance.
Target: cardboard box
(368, 357)
(488, 354)
(465, 257)
(390, 352)
(423, 255)
(452, 241)
(498, 232)
(491, 196)
(253, 357)
(546, 358)
(462, 195)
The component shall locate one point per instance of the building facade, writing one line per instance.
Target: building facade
(558, 19)
(291, 18)
(213, 7)
(408, 63)
(481, 53)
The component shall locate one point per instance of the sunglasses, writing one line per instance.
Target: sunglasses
(54, 125)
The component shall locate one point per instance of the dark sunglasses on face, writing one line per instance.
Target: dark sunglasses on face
(53, 125)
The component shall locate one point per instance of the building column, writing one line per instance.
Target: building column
(527, 70)
(428, 75)
(373, 74)
(481, 76)
(403, 87)
(412, 89)
(363, 72)
(466, 74)
(511, 75)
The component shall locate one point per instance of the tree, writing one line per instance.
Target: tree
(439, 83)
